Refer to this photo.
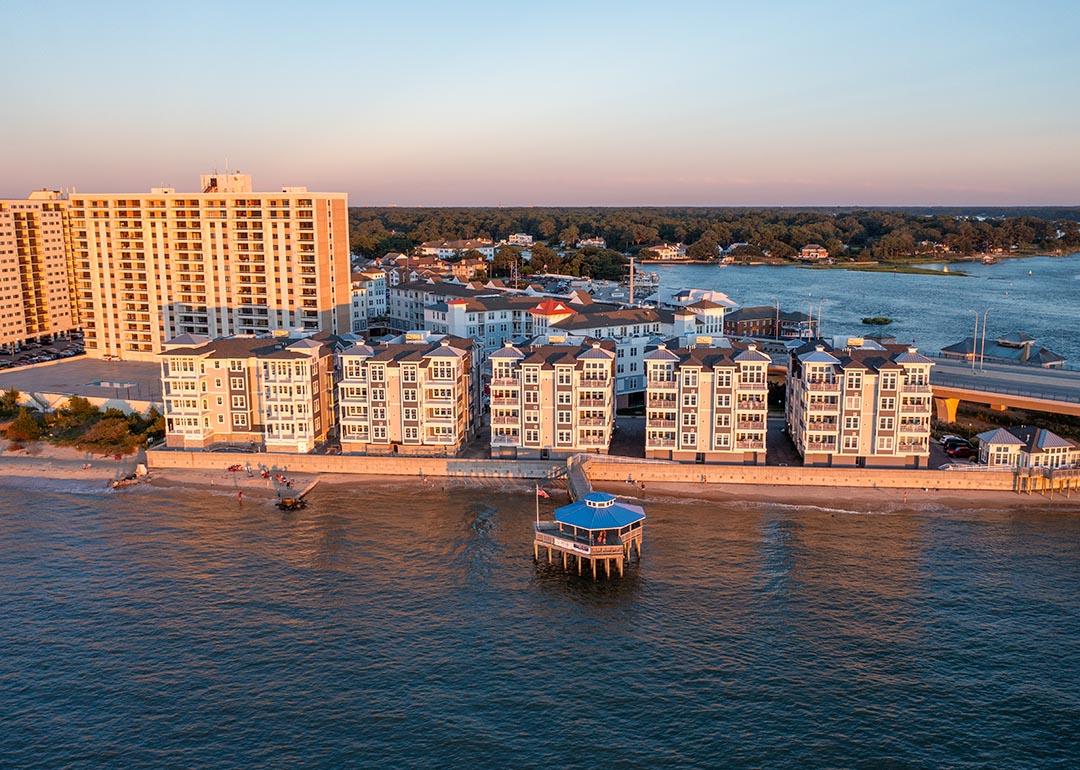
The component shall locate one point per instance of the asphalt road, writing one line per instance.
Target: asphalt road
(1055, 384)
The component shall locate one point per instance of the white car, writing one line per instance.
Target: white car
(949, 437)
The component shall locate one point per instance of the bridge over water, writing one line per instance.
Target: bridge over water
(1002, 386)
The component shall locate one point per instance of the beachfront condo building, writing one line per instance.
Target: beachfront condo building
(219, 262)
(37, 287)
(418, 394)
(864, 404)
(707, 402)
(552, 400)
(273, 392)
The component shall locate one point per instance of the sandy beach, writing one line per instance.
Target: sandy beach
(45, 466)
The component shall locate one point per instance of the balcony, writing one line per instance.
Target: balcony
(820, 446)
(505, 420)
(593, 382)
(751, 405)
(592, 402)
(662, 384)
(821, 425)
(659, 443)
(761, 386)
(915, 387)
(663, 403)
(596, 422)
(911, 447)
(505, 381)
(504, 440)
(823, 386)
(750, 444)
(504, 401)
(652, 423)
(750, 424)
(915, 409)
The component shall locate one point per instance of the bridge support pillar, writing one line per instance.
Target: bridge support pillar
(945, 409)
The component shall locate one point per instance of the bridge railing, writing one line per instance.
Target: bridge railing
(996, 386)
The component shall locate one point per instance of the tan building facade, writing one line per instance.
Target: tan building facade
(219, 262)
(552, 400)
(37, 292)
(865, 404)
(418, 396)
(707, 404)
(272, 392)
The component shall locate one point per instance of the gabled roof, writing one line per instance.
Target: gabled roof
(1038, 439)
(999, 436)
(818, 357)
(661, 354)
(508, 352)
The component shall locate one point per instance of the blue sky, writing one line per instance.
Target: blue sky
(552, 103)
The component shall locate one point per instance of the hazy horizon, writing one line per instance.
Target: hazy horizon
(611, 104)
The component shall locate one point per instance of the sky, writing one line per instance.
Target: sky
(552, 103)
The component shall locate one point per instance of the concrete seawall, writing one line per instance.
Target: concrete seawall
(360, 464)
(601, 469)
(583, 470)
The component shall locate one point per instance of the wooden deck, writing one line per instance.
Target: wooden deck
(581, 551)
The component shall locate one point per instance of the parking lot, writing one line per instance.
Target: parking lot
(89, 377)
(37, 353)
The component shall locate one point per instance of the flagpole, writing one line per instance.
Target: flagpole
(537, 496)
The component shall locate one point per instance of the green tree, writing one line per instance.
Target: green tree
(9, 403)
(24, 427)
(109, 435)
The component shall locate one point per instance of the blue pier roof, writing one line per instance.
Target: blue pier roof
(599, 510)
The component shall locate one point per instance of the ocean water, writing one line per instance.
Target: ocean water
(1040, 295)
(377, 628)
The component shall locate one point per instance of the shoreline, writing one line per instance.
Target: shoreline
(59, 470)
(917, 263)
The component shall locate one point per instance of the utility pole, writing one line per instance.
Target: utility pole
(982, 356)
(975, 341)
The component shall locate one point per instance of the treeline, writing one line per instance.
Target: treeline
(778, 233)
(80, 424)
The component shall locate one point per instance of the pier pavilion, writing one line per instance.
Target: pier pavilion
(597, 530)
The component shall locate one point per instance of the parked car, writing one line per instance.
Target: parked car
(953, 442)
(962, 451)
(950, 437)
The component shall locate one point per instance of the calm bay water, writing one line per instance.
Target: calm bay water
(172, 629)
(933, 310)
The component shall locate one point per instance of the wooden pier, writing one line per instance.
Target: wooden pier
(596, 533)
(1047, 481)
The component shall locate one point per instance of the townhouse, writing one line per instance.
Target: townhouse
(865, 404)
(707, 403)
(272, 392)
(418, 394)
(552, 401)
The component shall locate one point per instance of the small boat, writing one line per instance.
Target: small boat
(291, 503)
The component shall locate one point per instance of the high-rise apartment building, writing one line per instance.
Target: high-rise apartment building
(707, 403)
(552, 400)
(37, 291)
(417, 395)
(220, 262)
(273, 392)
(863, 404)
